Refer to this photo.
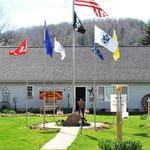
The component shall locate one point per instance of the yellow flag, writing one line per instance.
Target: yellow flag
(116, 54)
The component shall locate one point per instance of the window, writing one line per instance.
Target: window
(104, 93)
(30, 91)
(108, 92)
(101, 93)
(124, 90)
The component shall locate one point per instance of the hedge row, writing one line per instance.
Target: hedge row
(31, 115)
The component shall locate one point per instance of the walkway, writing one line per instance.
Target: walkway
(64, 138)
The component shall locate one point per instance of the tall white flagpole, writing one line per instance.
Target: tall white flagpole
(54, 86)
(73, 59)
(27, 103)
(27, 100)
(94, 80)
(44, 79)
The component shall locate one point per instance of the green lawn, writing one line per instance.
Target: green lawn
(133, 128)
(15, 136)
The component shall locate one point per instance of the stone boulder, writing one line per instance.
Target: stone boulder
(72, 120)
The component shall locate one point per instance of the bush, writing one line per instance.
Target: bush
(59, 122)
(9, 111)
(121, 145)
(5, 111)
(12, 111)
(145, 117)
(106, 145)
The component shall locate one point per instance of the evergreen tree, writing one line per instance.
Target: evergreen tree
(145, 40)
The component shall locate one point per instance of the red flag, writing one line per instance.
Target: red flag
(99, 12)
(20, 50)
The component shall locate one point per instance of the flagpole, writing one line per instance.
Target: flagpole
(73, 59)
(44, 99)
(94, 83)
(54, 86)
(27, 105)
(27, 101)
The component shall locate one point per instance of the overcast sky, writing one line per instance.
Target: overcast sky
(24, 13)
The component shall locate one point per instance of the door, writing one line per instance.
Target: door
(80, 93)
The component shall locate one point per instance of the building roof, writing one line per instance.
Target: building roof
(36, 66)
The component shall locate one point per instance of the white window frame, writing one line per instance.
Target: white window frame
(111, 86)
(102, 100)
(105, 86)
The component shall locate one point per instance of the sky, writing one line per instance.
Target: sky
(26, 13)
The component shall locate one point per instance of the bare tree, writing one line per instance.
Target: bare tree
(7, 33)
(128, 31)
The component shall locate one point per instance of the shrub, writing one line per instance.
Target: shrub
(5, 111)
(121, 145)
(145, 117)
(9, 111)
(106, 145)
(59, 122)
(12, 111)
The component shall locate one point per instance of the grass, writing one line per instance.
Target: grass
(15, 136)
(133, 128)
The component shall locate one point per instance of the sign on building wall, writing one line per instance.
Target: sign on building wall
(114, 103)
(50, 95)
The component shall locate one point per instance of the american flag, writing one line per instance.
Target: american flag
(99, 12)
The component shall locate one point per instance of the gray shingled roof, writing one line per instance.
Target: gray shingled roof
(133, 66)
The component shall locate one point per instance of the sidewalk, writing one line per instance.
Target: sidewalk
(64, 138)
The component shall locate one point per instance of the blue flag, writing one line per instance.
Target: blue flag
(48, 44)
(98, 52)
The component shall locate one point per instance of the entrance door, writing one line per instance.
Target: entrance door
(80, 93)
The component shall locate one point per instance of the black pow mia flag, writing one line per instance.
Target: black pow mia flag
(77, 25)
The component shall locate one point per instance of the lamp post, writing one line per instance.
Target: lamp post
(119, 113)
(68, 96)
(15, 102)
(68, 100)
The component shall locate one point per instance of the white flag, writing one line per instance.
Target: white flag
(105, 40)
(58, 48)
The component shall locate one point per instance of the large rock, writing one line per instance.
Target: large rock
(72, 120)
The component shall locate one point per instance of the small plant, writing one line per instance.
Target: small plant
(12, 111)
(121, 145)
(145, 117)
(5, 111)
(9, 111)
(106, 144)
(59, 122)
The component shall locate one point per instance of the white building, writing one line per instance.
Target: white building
(23, 77)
